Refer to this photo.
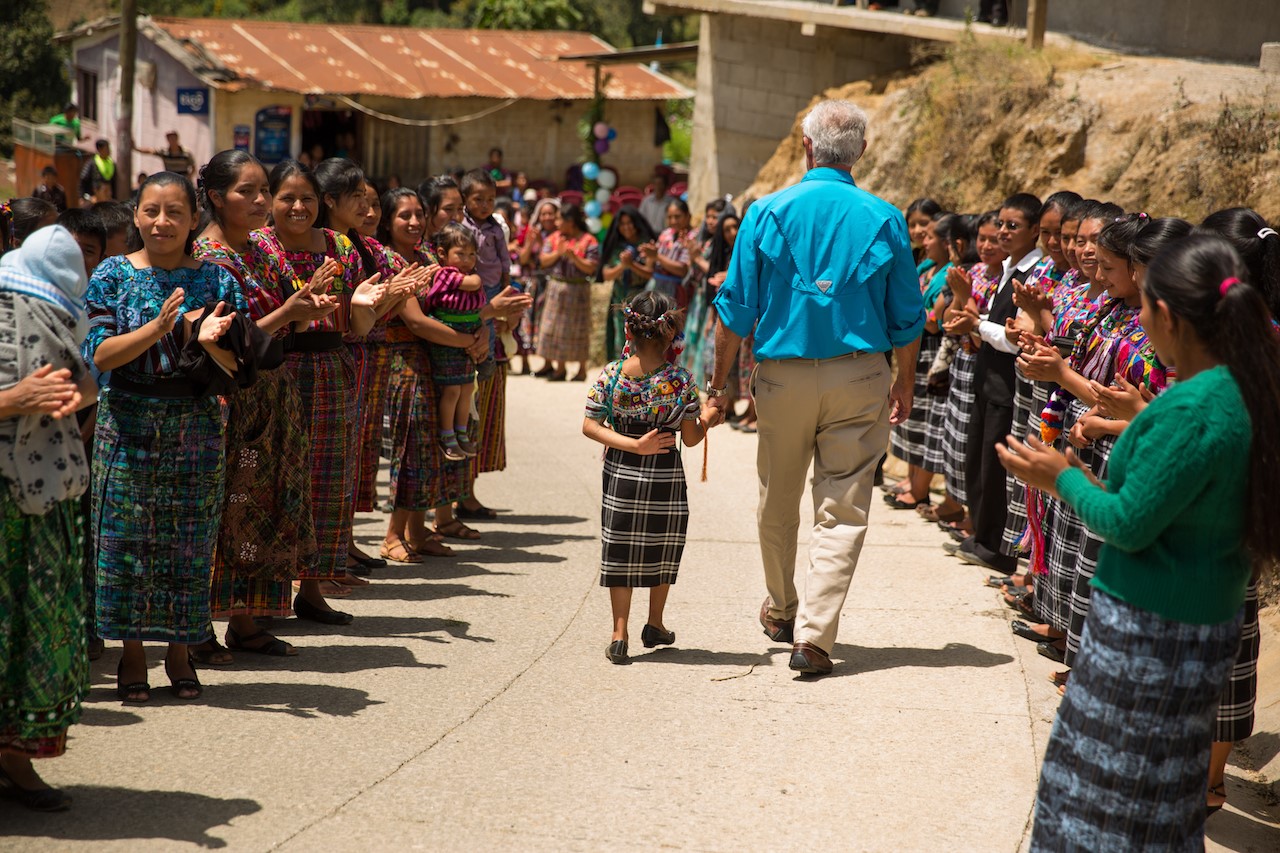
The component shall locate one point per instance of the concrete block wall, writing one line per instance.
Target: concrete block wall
(754, 76)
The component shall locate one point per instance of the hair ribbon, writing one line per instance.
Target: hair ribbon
(1226, 285)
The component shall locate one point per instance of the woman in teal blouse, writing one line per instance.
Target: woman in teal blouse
(1184, 518)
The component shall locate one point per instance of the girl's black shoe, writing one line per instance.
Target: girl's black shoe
(617, 651)
(652, 636)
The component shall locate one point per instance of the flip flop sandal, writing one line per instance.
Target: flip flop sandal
(399, 552)
(457, 530)
(276, 647)
(897, 503)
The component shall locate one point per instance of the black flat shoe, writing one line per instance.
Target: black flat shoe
(1026, 632)
(545, 371)
(367, 562)
(123, 690)
(480, 513)
(39, 800)
(360, 570)
(617, 651)
(1051, 651)
(651, 637)
(304, 609)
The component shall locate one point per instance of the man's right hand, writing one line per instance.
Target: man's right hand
(717, 409)
(900, 397)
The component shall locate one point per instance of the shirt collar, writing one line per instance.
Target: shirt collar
(826, 173)
(1028, 261)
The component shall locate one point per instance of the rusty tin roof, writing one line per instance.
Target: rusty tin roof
(400, 62)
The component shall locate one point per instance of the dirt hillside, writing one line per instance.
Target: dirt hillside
(1169, 137)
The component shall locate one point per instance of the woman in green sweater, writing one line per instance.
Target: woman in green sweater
(1184, 518)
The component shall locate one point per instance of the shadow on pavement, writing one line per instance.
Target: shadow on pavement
(499, 555)
(392, 591)
(1244, 825)
(521, 539)
(306, 701)
(539, 520)
(700, 657)
(439, 569)
(856, 660)
(1261, 748)
(419, 627)
(106, 717)
(334, 660)
(103, 813)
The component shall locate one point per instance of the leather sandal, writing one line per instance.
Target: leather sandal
(205, 652)
(480, 513)
(177, 685)
(399, 552)
(457, 530)
(433, 547)
(123, 690)
(275, 647)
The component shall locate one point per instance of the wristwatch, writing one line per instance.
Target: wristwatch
(712, 391)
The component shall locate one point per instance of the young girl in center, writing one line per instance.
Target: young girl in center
(455, 299)
(637, 406)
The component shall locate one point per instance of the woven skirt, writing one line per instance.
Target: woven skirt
(909, 440)
(1087, 564)
(158, 489)
(421, 478)
(267, 536)
(326, 383)
(644, 515)
(44, 666)
(491, 423)
(1127, 759)
(564, 331)
(959, 410)
(373, 371)
(1236, 708)
(1015, 527)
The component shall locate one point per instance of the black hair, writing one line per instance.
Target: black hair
(173, 179)
(1154, 236)
(573, 213)
(26, 215)
(286, 169)
(71, 106)
(339, 178)
(474, 179)
(495, 150)
(926, 206)
(1118, 235)
(719, 206)
(219, 175)
(48, 170)
(1103, 210)
(679, 204)
(390, 201)
(100, 143)
(1026, 204)
(988, 218)
(721, 248)
(952, 228)
(652, 316)
(83, 222)
(1234, 325)
(1060, 201)
(116, 216)
(432, 191)
(452, 235)
(1074, 211)
(1258, 245)
(613, 240)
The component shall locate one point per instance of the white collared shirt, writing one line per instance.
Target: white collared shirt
(993, 333)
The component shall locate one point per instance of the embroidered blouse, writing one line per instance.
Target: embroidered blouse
(446, 297)
(123, 299)
(584, 246)
(264, 280)
(305, 263)
(671, 246)
(662, 399)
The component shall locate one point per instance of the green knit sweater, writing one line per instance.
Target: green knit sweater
(1173, 512)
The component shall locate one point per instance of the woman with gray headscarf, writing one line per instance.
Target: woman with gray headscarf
(44, 667)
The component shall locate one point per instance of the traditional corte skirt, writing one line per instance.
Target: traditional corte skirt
(644, 515)
(491, 423)
(959, 410)
(564, 331)
(1024, 412)
(908, 440)
(373, 369)
(1236, 710)
(44, 667)
(327, 385)
(1090, 549)
(421, 477)
(1126, 762)
(267, 536)
(158, 489)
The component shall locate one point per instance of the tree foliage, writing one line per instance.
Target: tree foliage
(32, 83)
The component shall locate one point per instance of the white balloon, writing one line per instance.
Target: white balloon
(607, 179)
(594, 225)
(603, 195)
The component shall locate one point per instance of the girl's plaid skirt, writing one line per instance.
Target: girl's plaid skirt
(959, 409)
(1236, 710)
(327, 383)
(1024, 412)
(267, 534)
(1091, 547)
(491, 423)
(644, 515)
(421, 478)
(564, 330)
(909, 440)
(158, 479)
(1126, 762)
(373, 372)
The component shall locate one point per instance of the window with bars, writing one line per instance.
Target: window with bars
(87, 89)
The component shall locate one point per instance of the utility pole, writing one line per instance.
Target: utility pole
(1037, 18)
(124, 126)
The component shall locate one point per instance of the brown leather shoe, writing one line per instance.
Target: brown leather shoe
(810, 660)
(778, 630)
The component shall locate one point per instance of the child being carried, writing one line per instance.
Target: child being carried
(455, 299)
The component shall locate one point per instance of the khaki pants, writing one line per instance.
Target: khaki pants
(835, 414)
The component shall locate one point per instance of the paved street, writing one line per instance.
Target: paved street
(470, 705)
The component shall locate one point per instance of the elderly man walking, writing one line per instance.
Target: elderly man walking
(823, 274)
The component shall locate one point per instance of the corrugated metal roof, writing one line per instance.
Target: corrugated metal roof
(405, 62)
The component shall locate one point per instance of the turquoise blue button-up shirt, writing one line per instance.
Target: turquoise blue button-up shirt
(822, 269)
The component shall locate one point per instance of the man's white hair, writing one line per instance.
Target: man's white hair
(837, 130)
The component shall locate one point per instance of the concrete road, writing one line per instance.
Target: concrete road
(470, 705)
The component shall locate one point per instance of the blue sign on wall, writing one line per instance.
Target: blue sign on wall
(193, 102)
(272, 127)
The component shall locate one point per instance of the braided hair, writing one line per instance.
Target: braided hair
(219, 175)
(652, 316)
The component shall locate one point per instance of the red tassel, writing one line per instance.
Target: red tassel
(704, 456)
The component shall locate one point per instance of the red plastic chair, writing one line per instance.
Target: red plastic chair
(679, 189)
(571, 197)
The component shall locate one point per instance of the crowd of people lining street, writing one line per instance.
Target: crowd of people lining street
(198, 388)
